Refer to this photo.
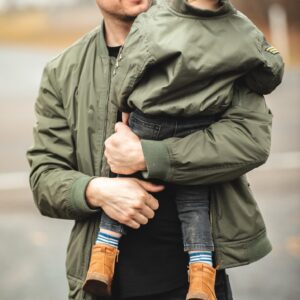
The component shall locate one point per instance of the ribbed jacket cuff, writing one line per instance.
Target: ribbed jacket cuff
(78, 199)
(157, 160)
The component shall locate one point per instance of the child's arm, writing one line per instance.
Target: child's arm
(232, 146)
(268, 75)
(237, 143)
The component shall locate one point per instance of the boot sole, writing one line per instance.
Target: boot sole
(96, 287)
(198, 296)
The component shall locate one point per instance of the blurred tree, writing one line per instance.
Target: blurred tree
(258, 10)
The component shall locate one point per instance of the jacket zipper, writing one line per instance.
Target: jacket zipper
(119, 57)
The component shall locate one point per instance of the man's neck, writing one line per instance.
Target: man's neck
(205, 4)
(116, 31)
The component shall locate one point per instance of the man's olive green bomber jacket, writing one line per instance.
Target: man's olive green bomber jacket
(75, 116)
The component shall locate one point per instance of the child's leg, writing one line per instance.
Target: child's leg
(110, 231)
(193, 211)
(103, 258)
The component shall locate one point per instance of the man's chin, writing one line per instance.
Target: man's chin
(127, 18)
(134, 10)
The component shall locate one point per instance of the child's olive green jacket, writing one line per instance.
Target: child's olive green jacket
(182, 61)
(75, 116)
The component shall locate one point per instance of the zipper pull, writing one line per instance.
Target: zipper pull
(119, 57)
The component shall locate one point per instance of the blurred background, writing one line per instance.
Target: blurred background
(32, 247)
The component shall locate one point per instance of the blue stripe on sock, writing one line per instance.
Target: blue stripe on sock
(194, 253)
(201, 256)
(106, 239)
(201, 260)
(200, 252)
(108, 236)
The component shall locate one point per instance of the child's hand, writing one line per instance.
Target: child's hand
(125, 118)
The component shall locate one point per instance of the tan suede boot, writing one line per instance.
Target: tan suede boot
(101, 270)
(202, 282)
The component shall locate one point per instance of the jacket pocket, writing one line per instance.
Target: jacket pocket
(236, 216)
(79, 249)
(75, 290)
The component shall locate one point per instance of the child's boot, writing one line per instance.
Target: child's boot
(202, 282)
(101, 270)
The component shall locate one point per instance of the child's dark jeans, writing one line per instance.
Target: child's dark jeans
(192, 201)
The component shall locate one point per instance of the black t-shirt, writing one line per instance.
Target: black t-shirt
(152, 259)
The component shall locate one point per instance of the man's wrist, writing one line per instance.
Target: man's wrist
(93, 193)
(140, 158)
(141, 165)
(78, 203)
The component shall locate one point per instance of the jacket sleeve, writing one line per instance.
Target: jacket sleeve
(58, 189)
(264, 78)
(237, 143)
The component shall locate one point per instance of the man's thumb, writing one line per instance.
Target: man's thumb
(151, 187)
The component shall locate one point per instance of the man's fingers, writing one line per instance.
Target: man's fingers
(140, 219)
(152, 202)
(151, 187)
(132, 224)
(147, 212)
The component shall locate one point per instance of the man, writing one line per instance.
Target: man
(69, 175)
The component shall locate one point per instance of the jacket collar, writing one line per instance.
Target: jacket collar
(183, 7)
(101, 43)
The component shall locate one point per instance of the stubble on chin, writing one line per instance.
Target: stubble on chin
(127, 18)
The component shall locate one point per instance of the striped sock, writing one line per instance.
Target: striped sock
(201, 256)
(107, 239)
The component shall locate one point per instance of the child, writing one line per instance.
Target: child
(176, 75)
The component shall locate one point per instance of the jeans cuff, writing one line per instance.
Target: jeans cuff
(115, 228)
(198, 247)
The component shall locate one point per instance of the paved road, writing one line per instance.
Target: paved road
(33, 247)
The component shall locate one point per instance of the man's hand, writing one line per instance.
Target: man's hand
(125, 200)
(123, 151)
